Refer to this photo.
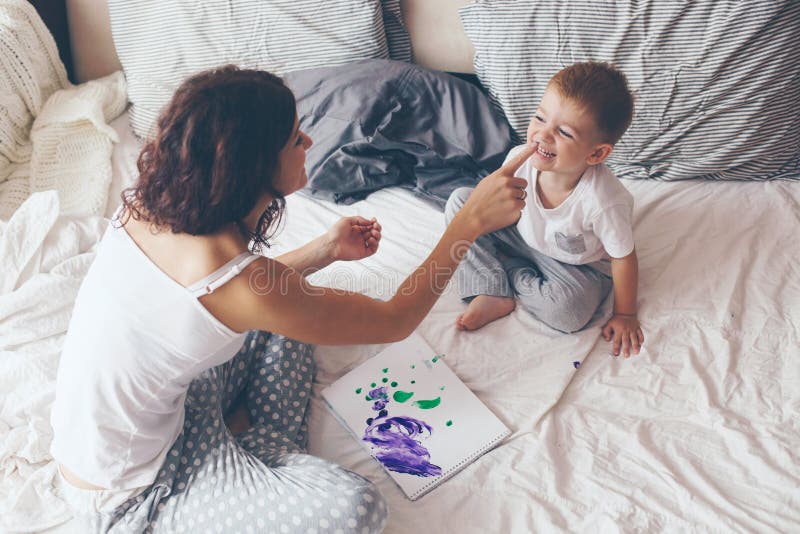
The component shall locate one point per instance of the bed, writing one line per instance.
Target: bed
(700, 432)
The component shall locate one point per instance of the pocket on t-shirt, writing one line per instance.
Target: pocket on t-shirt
(571, 244)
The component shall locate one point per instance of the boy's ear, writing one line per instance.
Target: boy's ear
(600, 153)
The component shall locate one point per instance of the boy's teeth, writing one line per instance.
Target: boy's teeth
(545, 152)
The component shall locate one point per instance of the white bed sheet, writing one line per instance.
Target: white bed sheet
(699, 432)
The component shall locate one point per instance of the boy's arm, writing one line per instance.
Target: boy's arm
(625, 273)
(623, 327)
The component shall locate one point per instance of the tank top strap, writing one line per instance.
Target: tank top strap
(222, 275)
(114, 220)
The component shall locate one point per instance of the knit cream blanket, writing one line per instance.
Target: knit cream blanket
(53, 136)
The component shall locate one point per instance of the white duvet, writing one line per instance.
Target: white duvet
(699, 432)
(43, 259)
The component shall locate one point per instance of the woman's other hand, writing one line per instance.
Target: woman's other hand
(354, 238)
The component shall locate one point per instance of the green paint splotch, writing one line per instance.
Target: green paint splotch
(402, 396)
(358, 391)
(449, 423)
(428, 404)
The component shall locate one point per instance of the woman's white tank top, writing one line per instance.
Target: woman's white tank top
(136, 340)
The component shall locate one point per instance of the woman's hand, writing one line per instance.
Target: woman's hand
(498, 199)
(354, 238)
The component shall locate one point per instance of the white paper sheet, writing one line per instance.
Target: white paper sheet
(414, 415)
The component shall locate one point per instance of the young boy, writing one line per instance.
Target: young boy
(573, 241)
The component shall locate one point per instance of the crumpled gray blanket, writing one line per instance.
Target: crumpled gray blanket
(381, 123)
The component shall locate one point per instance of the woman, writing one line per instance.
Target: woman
(158, 349)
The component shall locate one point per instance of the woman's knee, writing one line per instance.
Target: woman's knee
(292, 357)
(348, 501)
(279, 343)
(456, 201)
(365, 507)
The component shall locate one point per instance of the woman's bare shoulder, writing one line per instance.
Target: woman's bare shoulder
(239, 303)
(185, 258)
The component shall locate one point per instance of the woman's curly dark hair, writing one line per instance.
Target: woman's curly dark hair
(215, 154)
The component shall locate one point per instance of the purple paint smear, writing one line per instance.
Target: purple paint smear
(394, 444)
(378, 393)
(395, 440)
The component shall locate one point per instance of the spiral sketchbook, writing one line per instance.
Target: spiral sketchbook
(411, 412)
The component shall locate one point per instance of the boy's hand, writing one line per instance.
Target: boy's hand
(626, 334)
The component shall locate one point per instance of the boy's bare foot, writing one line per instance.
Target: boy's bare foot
(484, 309)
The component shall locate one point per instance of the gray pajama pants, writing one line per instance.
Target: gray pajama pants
(561, 295)
(260, 480)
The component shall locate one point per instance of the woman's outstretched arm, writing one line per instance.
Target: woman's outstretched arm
(272, 296)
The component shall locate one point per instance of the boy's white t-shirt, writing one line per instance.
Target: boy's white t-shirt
(594, 221)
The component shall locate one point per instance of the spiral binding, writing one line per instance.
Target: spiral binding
(459, 466)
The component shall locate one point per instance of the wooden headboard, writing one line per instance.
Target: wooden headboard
(83, 33)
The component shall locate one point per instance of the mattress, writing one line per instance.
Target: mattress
(698, 432)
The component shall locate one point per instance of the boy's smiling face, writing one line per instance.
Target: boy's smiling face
(567, 137)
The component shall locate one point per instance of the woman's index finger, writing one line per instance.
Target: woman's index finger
(511, 166)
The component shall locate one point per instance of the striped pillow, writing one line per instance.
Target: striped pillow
(717, 83)
(161, 42)
(397, 36)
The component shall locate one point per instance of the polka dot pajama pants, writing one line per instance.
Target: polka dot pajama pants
(260, 480)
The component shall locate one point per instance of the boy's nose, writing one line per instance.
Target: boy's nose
(543, 136)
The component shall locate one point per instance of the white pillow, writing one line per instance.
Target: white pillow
(717, 82)
(162, 42)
